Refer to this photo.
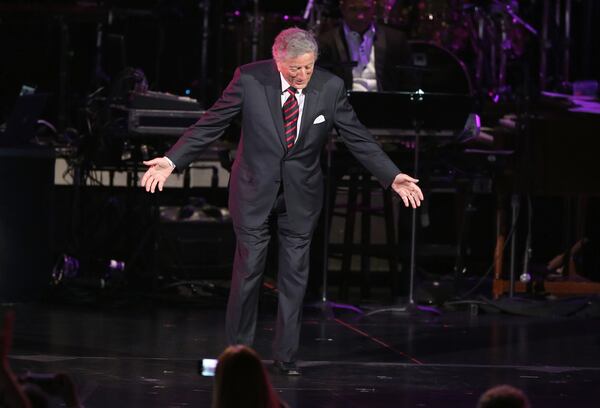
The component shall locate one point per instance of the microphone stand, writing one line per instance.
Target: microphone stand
(325, 305)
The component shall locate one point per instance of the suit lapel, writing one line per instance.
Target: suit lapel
(343, 53)
(340, 45)
(273, 94)
(380, 45)
(311, 100)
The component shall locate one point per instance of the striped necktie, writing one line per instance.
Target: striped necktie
(291, 111)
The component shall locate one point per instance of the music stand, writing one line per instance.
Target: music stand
(427, 113)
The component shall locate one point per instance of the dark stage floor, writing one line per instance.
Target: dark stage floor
(146, 355)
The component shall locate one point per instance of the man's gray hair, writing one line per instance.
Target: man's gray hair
(293, 42)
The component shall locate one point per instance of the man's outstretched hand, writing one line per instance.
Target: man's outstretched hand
(156, 175)
(406, 187)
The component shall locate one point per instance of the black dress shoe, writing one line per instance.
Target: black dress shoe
(286, 368)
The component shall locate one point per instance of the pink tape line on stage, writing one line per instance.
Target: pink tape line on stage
(376, 340)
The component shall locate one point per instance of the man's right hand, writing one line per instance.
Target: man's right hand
(156, 175)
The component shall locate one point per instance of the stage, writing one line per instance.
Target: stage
(493, 105)
(138, 353)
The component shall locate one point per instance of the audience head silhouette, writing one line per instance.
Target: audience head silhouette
(241, 381)
(503, 396)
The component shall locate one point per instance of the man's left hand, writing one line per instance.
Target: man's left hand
(406, 187)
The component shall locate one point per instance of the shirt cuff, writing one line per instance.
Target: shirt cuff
(170, 162)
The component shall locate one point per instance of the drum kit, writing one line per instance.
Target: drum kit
(484, 36)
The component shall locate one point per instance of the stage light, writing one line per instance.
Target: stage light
(116, 266)
(525, 277)
(67, 267)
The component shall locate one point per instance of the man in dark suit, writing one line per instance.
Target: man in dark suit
(366, 55)
(288, 109)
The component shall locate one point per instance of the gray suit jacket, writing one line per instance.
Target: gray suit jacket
(262, 162)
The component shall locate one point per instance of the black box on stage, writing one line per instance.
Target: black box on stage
(26, 227)
(195, 243)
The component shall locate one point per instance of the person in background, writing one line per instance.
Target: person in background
(368, 56)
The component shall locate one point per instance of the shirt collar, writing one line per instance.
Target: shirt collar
(285, 85)
(369, 33)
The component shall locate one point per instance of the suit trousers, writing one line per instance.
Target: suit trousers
(248, 268)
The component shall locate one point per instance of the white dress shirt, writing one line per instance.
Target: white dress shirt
(362, 52)
(299, 96)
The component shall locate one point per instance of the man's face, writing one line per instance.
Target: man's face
(298, 70)
(358, 14)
